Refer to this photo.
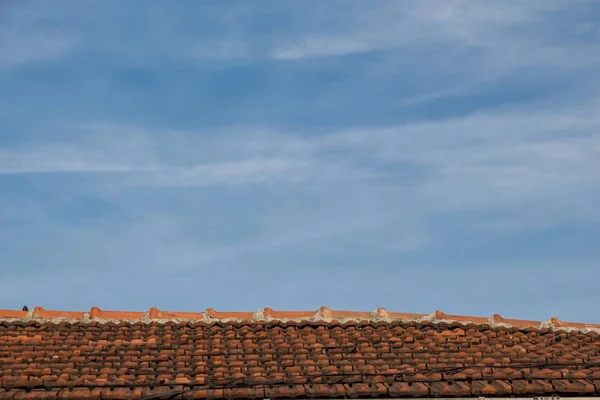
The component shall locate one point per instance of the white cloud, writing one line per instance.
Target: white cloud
(324, 46)
(488, 39)
(499, 160)
(260, 171)
(26, 38)
(66, 158)
(255, 170)
(20, 47)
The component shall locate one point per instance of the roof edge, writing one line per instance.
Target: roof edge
(323, 314)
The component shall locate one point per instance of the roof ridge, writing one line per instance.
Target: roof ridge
(323, 314)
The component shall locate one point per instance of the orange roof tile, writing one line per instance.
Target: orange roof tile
(324, 353)
(268, 314)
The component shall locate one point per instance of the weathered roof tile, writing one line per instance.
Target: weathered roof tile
(127, 355)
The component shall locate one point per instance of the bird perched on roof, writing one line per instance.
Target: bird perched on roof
(25, 308)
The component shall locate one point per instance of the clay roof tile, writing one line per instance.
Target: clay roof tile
(129, 354)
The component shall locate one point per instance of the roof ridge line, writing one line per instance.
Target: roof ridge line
(323, 314)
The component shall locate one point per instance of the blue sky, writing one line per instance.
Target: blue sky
(412, 155)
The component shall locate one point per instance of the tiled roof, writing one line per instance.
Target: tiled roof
(273, 354)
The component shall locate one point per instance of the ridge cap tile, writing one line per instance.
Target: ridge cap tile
(324, 316)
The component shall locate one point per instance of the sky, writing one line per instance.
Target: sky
(412, 155)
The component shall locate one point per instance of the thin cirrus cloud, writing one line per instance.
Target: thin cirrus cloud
(22, 49)
(210, 152)
(548, 153)
(323, 47)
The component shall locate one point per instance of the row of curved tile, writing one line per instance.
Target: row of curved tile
(268, 314)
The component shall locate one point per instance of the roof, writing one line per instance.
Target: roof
(274, 354)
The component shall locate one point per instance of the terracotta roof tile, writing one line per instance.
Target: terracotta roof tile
(268, 354)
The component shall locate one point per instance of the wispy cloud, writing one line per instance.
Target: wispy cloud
(497, 38)
(486, 158)
(324, 46)
(26, 39)
(19, 48)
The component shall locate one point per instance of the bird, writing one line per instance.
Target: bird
(25, 308)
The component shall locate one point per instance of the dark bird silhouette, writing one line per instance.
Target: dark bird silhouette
(25, 308)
